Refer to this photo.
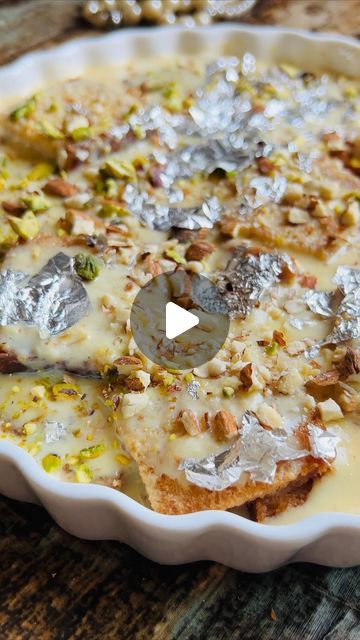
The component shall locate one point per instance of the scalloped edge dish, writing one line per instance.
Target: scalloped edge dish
(97, 512)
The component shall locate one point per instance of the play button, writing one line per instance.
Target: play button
(179, 320)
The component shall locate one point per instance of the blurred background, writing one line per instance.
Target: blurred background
(27, 24)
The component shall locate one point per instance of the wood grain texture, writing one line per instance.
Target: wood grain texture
(56, 587)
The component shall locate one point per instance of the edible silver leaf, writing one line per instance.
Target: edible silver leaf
(52, 300)
(54, 431)
(267, 189)
(343, 304)
(322, 443)
(320, 302)
(206, 295)
(344, 330)
(256, 451)
(163, 217)
(247, 276)
(229, 154)
(192, 389)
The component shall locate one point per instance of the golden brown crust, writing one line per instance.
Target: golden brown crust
(169, 495)
(294, 495)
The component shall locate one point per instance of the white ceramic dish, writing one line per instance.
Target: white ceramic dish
(96, 512)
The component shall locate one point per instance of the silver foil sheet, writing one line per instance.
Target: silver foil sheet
(228, 154)
(163, 217)
(322, 443)
(53, 300)
(192, 389)
(247, 276)
(343, 304)
(256, 451)
(54, 431)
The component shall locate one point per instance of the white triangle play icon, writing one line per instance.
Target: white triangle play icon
(178, 320)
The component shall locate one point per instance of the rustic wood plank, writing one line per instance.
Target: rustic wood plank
(54, 586)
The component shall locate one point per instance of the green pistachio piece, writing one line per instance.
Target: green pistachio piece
(92, 452)
(36, 203)
(272, 348)
(83, 473)
(40, 171)
(175, 256)
(228, 392)
(87, 267)
(117, 169)
(51, 463)
(81, 133)
(109, 210)
(26, 227)
(8, 237)
(24, 111)
(49, 130)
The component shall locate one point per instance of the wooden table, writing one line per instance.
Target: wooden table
(53, 586)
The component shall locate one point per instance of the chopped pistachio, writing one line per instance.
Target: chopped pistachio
(82, 133)
(36, 203)
(29, 428)
(26, 227)
(40, 171)
(175, 256)
(49, 130)
(124, 460)
(272, 348)
(65, 390)
(51, 463)
(110, 209)
(87, 267)
(24, 111)
(117, 169)
(92, 452)
(8, 237)
(83, 474)
(228, 392)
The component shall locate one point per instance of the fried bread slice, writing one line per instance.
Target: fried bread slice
(310, 217)
(149, 429)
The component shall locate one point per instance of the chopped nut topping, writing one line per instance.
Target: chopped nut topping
(329, 410)
(126, 364)
(190, 422)
(59, 187)
(199, 250)
(225, 425)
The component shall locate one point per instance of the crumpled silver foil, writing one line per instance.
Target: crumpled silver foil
(320, 302)
(229, 154)
(343, 305)
(54, 431)
(322, 443)
(256, 451)
(267, 190)
(192, 389)
(53, 300)
(163, 217)
(247, 276)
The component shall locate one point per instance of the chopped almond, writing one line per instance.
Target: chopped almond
(61, 188)
(329, 410)
(279, 338)
(126, 364)
(308, 281)
(199, 250)
(15, 208)
(190, 422)
(225, 425)
(80, 223)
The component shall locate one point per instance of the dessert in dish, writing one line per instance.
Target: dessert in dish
(246, 174)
